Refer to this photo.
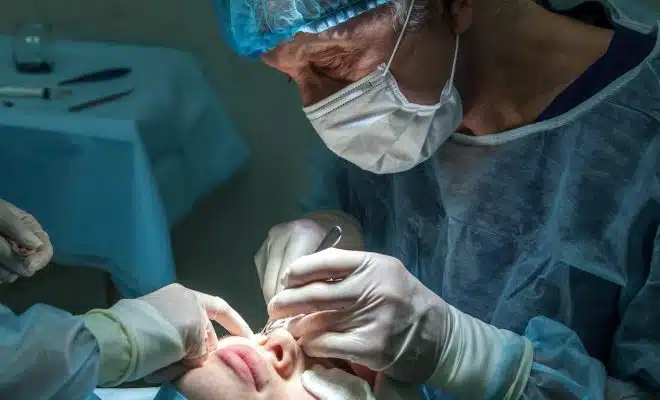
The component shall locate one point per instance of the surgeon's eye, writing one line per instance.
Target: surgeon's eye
(334, 69)
(329, 65)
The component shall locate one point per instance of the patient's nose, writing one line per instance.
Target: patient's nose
(284, 352)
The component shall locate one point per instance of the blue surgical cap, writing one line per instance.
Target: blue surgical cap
(253, 27)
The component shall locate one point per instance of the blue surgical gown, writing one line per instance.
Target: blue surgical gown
(551, 230)
(46, 353)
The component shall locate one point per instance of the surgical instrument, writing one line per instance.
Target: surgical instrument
(331, 239)
(36, 92)
(98, 76)
(278, 324)
(99, 101)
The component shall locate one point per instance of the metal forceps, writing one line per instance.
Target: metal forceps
(331, 239)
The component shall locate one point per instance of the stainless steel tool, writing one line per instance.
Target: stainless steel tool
(99, 101)
(331, 239)
(103, 75)
(44, 93)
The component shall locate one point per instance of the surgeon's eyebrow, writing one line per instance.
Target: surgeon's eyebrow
(340, 62)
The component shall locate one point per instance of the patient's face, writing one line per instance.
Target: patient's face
(269, 368)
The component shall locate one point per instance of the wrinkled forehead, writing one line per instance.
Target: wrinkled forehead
(253, 27)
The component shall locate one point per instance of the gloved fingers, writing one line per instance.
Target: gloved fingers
(166, 374)
(38, 259)
(318, 296)
(274, 267)
(297, 246)
(301, 243)
(221, 312)
(261, 260)
(320, 383)
(21, 250)
(11, 262)
(15, 226)
(327, 264)
(344, 346)
(196, 353)
(32, 261)
(211, 338)
(316, 323)
(334, 384)
(25, 266)
(195, 362)
(6, 276)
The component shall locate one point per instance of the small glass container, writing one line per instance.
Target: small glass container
(32, 48)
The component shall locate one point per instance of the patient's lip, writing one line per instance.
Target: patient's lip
(246, 363)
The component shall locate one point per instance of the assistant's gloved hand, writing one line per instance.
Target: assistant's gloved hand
(167, 331)
(382, 317)
(24, 246)
(335, 384)
(285, 243)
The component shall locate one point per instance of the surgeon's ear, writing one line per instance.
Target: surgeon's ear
(461, 15)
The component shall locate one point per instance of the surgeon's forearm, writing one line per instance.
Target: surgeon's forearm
(351, 237)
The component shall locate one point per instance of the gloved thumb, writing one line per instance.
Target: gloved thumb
(14, 228)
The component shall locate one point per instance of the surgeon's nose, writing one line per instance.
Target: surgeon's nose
(284, 352)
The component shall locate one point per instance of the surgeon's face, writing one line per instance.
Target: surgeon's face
(322, 64)
(269, 368)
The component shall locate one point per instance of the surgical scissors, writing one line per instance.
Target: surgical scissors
(331, 239)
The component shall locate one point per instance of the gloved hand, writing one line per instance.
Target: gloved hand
(285, 243)
(167, 331)
(335, 384)
(24, 246)
(382, 317)
(379, 316)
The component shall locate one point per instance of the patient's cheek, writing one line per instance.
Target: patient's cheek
(365, 373)
(197, 384)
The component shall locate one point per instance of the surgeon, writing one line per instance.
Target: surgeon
(47, 353)
(495, 167)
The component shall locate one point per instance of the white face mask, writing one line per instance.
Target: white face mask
(371, 124)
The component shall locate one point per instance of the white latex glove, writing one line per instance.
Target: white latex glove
(335, 384)
(382, 317)
(167, 331)
(24, 246)
(285, 243)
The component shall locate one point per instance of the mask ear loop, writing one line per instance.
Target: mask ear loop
(398, 41)
(450, 83)
(447, 88)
